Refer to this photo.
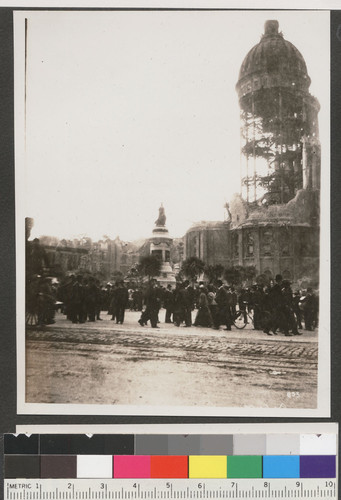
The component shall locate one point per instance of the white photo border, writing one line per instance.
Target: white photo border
(323, 403)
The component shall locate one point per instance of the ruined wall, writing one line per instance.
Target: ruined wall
(209, 242)
(292, 251)
(303, 209)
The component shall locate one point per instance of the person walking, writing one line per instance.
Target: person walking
(213, 307)
(296, 308)
(309, 309)
(169, 303)
(178, 306)
(187, 294)
(277, 305)
(152, 303)
(203, 317)
(122, 297)
(77, 306)
(113, 303)
(91, 299)
(223, 316)
(289, 320)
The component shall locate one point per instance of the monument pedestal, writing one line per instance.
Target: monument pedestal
(160, 246)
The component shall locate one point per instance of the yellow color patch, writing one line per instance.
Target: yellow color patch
(207, 466)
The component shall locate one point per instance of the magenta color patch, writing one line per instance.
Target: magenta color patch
(131, 466)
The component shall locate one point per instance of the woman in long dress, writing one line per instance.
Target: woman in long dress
(203, 317)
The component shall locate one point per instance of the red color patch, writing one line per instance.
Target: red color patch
(165, 467)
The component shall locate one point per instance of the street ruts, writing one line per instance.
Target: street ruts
(170, 366)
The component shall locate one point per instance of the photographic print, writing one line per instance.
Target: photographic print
(172, 204)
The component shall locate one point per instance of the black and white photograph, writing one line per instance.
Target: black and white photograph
(172, 212)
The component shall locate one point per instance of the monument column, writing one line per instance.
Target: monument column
(160, 244)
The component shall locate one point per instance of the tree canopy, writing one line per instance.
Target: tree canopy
(213, 273)
(149, 266)
(192, 268)
(237, 274)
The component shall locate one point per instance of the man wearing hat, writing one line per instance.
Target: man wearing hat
(168, 303)
(152, 303)
(122, 297)
(187, 298)
(222, 317)
(296, 308)
(276, 304)
(289, 317)
(310, 310)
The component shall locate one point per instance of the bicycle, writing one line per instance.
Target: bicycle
(243, 315)
(241, 318)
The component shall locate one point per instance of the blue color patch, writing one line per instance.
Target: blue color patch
(281, 466)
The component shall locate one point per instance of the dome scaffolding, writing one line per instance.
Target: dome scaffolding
(278, 114)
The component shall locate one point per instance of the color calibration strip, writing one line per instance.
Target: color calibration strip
(170, 456)
(163, 467)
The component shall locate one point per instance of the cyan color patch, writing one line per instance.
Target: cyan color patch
(281, 466)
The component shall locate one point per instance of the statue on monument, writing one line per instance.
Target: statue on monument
(161, 220)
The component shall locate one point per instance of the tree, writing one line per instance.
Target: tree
(237, 274)
(213, 273)
(149, 266)
(192, 268)
(233, 275)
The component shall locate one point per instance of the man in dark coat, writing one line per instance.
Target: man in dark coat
(258, 313)
(310, 307)
(91, 298)
(113, 303)
(178, 307)
(296, 308)
(289, 317)
(187, 297)
(222, 316)
(229, 307)
(46, 302)
(152, 303)
(64, 295)
(77, 303)
(100, 299)
(121, 302)
(277, 305)
(168, 303)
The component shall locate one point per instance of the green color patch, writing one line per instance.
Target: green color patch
(247, 466)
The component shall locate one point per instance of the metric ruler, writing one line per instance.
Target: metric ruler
(155, 489)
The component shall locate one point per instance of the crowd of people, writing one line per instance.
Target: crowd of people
(273, 308)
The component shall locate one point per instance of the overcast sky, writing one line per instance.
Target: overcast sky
(126, 110)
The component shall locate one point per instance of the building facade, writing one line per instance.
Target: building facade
(210, 242)
(105, 259)
(274, 220)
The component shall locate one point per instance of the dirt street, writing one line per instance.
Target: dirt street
(105, 363)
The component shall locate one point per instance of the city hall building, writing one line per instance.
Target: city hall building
(273, 223)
